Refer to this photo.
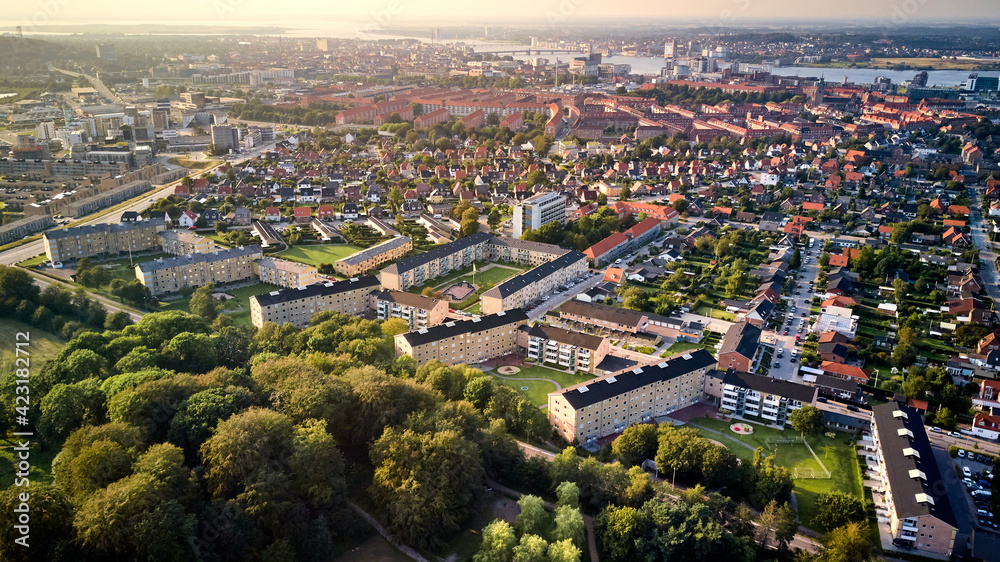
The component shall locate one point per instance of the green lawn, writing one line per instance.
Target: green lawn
(42, 347)
(33, 262)
(320, 253)
(564, 379)
(493, 275)
(837, 455)
(681, 347)
(537, 393)
(238, 308)
(714, 313)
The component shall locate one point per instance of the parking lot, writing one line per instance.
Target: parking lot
(563, 293)
(975, 469)
(790, 335)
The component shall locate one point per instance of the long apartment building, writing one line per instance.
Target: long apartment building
(72, 244)
(284, 273)
(14, 231)
(419, 311)
(196, 270)
(531, 285)
(107, 198)
(620, 243)
(184, 242)
(914, 490)
(297, 306)
(565, 348)
(538, 210)
(421, 268)
(609, 404)
(370, 258)
(601, 316)
(503, 248)
(747, 395)
(468, 341)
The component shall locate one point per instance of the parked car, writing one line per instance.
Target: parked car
(961, 453)
(936, 429)
(966, 472)
(955, 434)
(853, 408)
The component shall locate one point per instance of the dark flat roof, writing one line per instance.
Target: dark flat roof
(904, 486)
(795, 391)
(596, 310)
(598, 390)
(439, 252)
(408, 299)
(316, 289)
(94, 228)
(516, 283)
(561, 335)
(449, 329)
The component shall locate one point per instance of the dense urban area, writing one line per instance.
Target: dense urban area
(498, 293)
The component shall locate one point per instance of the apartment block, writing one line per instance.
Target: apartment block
(568, 349)
(370, 258)
(582, 315)
(538, 210)
(107, 198)
(284, 273)
(609, 404)
(297, 306)
(533, 284)
(27, 226)
(421, 268)
(468, 341)
(503, 248)
(70, 244)
(747, 395)
(419, 311)
(184, 242)
(621, 243)
(914, 491)
(195, 270)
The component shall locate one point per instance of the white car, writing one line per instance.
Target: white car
(966, 472)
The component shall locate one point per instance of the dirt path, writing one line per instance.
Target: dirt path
(407, 550)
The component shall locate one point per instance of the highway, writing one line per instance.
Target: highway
(98, 85)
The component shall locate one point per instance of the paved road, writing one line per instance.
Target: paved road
(986, 254)
(98, 85)
(557, 299)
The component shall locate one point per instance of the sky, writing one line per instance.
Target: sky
(550, 12)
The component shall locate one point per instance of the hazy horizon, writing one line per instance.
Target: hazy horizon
(401, 13)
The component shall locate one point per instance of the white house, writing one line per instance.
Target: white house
(187, 219)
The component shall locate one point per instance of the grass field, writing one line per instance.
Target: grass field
(492, 275)
(315, 255)
(43, 346)
(33, 262)
(837, 456)
(714, 313)
(238, 307)
(538, 391)
(681, 347)
(194, 164)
